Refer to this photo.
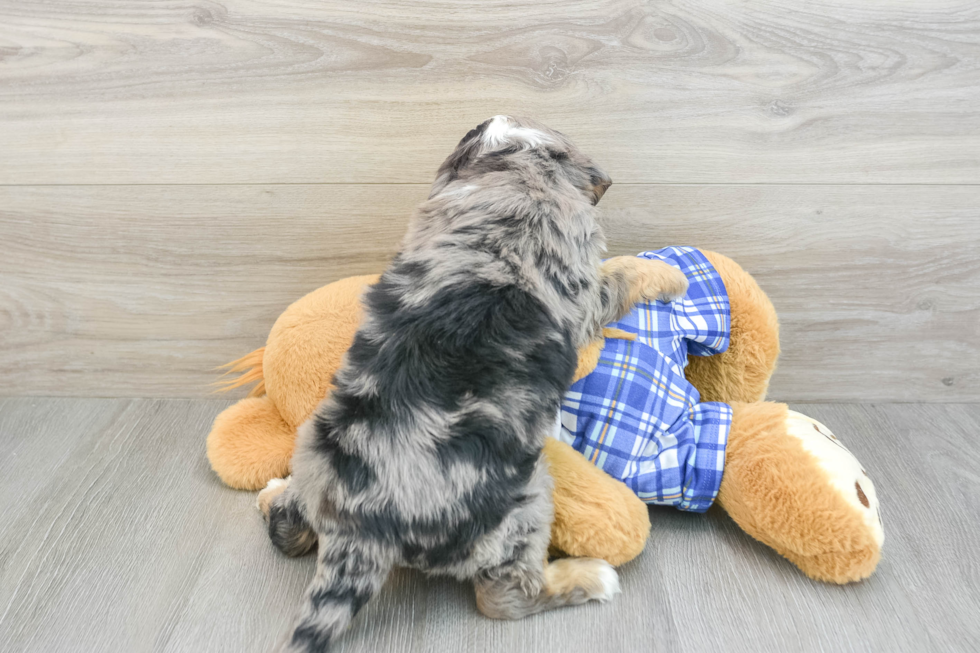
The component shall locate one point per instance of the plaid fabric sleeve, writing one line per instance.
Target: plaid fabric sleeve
(637, 418)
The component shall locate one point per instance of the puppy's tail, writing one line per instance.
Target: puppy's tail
(348, 573)
(250, 367)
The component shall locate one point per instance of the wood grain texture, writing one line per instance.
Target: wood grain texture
(708, 91)
(117, 537)
(877, 289)
(144, 290)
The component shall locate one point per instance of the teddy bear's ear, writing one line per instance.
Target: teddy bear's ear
(846, 474)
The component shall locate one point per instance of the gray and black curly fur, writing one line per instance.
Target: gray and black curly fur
(428, 451)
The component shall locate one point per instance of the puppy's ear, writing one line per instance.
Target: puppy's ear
(464, 152)
(599, 183)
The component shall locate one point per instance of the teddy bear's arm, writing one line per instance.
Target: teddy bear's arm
(742, 372)
(250, 444)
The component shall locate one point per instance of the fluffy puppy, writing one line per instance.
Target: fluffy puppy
(428, 451)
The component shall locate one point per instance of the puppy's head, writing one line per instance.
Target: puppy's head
(504, 142)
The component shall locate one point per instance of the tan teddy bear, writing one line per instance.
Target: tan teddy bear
(787, 480)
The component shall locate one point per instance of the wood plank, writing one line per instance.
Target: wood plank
(114, 535)
(877, 289)
(145, 290)
(117, 537)
(142, 291)
(331, 91)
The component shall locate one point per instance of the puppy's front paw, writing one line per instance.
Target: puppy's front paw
(661, 281)
(264, 501)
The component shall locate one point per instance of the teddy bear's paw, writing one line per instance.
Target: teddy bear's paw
(582, 579)
(274, 488)
(662, 281)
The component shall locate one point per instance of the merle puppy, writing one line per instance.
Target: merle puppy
(428, 451)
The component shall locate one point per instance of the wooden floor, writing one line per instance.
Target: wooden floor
(116, 537)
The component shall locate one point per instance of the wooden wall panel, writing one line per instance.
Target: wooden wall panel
(706, 91)
(172, 175)
(142, 290)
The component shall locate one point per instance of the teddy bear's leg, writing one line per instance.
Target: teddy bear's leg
(742, 372)
(596, 516)
(250, 444)
(790, 484)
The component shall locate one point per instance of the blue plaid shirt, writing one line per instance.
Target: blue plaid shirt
(636, 416)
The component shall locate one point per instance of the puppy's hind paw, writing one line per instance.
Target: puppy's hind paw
(274, 488)
(584, 578)
(608, 581)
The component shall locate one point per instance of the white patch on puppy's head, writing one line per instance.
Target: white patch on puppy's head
(504, 130)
